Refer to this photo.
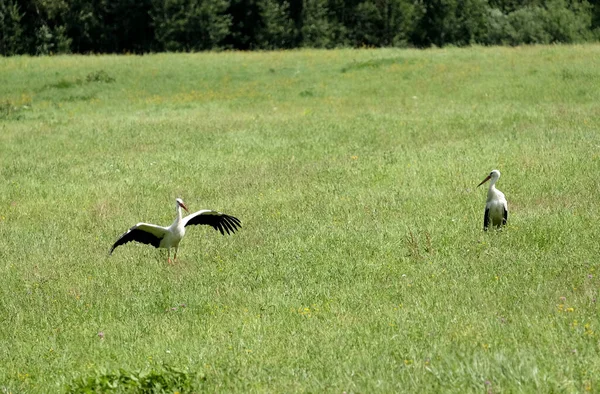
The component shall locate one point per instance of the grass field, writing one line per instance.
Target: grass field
(361, 265)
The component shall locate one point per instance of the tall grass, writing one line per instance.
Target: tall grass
(361, 265)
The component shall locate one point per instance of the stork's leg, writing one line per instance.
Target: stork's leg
(169, 255)
(175, 257)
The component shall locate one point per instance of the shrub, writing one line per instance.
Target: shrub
(556, 21)
(99, 76)
(568, 22)
(165, 379)
(498, 28)
(526, 26)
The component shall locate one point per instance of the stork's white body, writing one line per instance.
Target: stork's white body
(496, 206)
(175, 232)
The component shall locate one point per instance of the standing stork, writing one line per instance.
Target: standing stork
(169, 237)
(496, 207)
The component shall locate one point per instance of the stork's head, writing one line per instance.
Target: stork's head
(181, 204)
(494, 175)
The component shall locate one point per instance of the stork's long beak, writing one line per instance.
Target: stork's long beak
(485, 180)
(184, 207)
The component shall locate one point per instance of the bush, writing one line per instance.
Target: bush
(568, 22)
(99, 76)
(498, 28)
(164, 380)
(526, 26)
(557, 21)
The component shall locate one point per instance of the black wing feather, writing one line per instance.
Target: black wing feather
(226, 227)
(219, 221)
(137, 235)
(505, 219)
(235, 221)
(228, 224)
(486, 219)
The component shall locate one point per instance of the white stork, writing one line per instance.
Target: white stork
(496, 207)
(169, 237)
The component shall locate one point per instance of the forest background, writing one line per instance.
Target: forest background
(41, 27)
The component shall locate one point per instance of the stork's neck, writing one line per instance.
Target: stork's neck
(492, 191)
(178, 217)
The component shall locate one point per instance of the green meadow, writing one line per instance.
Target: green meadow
(361, 265)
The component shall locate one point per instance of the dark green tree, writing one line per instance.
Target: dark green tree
(383, 22)
(85, 26)
(276, 29)
(245, 22)
(41, 26)
(316, 30)
(110, 26)
(190, 25)
(508, 6)
(118, 26)
(11, 32)
(457, 22)
(369, 24)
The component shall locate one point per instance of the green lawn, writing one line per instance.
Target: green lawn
(361, 265)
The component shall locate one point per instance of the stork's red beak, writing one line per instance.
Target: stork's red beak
(485, 180)
(184, 207)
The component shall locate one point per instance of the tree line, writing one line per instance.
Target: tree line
(39, 27)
